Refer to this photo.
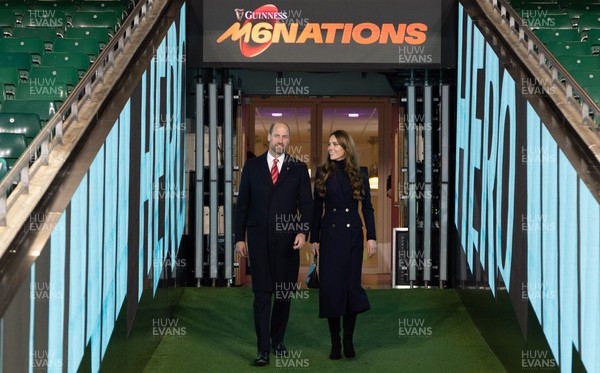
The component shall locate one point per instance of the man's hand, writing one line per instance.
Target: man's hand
(240, 247)
(299, 241)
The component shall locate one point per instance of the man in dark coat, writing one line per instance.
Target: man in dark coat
(274, 209)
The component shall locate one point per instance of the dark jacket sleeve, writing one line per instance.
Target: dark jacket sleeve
(367, 206)
(315, 227)
(305, 201)
(243, 205)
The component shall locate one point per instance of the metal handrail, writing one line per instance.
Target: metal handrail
(52, 133)
(535, 47)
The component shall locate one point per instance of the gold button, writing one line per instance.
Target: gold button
(333, 225)
(347, 209)
(348, 225)
(334, 210)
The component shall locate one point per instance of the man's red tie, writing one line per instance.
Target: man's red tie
(274, 171)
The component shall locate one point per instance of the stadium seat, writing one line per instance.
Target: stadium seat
(575, 11)
(21, 123)
(104, 19)
(35, 47)
(116, 7)
(9, 78)
(546, 35)
(12, 145)
(44, 33)
(19, 60)
(19, 8)
(8, 22)
(587, 22)
(66, 74)
(593, 39)
(45, 109)
(99, 33)
(80, 61)
(86, 46)
(586, 77)
(577, 48)
(571, 62)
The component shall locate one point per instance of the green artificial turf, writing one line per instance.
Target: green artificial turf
(417, 330)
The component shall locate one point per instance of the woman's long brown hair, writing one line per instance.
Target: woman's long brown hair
(352, 168)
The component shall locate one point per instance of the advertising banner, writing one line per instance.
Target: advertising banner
(389, 33)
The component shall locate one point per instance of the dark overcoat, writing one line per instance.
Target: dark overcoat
(268, 217)
(338, 228)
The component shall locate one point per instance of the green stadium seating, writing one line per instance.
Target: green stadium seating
(575, 11)
(9, 74)
(587, 22)
(576, 48)
(65, 74)
(9, 78)
(8, 22)
(43, 108)
(116, 7)
(593, 91)
(12, 145)
(105, 19)
(35, 47)
(21, 123)
(19, 8)
(44, 33)
(546, 35)
(586, 77)
(80, 61)
(593, 39)
(89, 46)
(19, 60)
(99, 33)
(571, 62)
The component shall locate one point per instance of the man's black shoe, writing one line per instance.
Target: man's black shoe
(262, 359)
(280, 349)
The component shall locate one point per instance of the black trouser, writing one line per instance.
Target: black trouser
(279, 319)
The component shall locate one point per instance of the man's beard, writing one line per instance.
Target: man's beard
(276, 147)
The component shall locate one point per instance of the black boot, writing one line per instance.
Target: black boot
(336, 343)
(349, 324)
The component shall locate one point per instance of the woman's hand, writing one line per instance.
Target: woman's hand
(371, 248)
(314, 248)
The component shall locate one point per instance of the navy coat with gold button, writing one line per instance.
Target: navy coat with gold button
(271, 216)
(338, 228)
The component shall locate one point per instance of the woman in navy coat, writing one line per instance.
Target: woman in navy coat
(337, 238)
